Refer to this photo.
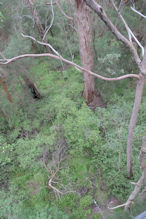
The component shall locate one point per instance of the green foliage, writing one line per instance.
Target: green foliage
(96, 149)
(94, 142)
(17, 45)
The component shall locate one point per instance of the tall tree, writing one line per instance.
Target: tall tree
(84, 28)
(98, 9)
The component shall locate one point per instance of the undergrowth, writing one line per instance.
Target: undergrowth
(89, 146)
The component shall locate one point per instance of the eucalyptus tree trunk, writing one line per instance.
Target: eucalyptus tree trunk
(134, 115)
(35, 93)
(83, 21)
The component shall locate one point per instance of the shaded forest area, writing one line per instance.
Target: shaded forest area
(72, 109)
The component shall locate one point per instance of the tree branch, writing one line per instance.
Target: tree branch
(101, 13)
(133, 9)
(7, 61)
(62, 11)
(52, 20)
(130, 33)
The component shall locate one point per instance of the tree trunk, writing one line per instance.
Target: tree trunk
(37, 21)
(35, 93)
(134, 115)
(85, 39)
(137, 102)
(140, 182)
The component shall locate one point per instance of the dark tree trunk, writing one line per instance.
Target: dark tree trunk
(35, 93)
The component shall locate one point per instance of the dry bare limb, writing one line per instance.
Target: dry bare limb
(133, 9)
(98, 9)
(51, 180)
(7, 61)
(129, 31)
(41, 43)
(52, 20)
(135, 191)
(118, 206)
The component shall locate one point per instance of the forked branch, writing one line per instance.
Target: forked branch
(101, 13)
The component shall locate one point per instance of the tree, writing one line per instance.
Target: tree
(84, 27)
(85, 47)
(141, 65)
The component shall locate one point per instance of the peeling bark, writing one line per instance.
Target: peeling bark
(134, 115)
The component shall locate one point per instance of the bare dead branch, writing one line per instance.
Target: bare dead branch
(118, 206)
(41, 43)
(101, 13)
(133, 9)
(129, 31)
(52, 20)
(7, 61)
(135, 191)
(51, 181)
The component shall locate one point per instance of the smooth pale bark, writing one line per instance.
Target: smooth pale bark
(134, 115)
(142, 67)
(83, 21)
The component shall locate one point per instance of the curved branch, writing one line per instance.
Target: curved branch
(62, 11)
(7, 61)
(52, 20)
